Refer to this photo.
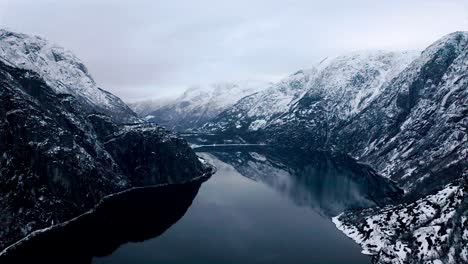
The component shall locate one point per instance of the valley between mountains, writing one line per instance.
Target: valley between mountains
(405, 114)
(398, 120)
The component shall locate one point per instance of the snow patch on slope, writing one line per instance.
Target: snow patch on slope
(421, 232)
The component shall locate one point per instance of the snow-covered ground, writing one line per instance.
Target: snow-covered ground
(433, 229)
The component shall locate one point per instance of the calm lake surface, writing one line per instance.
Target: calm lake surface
(263, 217)
(261, 206)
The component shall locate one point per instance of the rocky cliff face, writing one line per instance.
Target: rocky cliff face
(60, 153)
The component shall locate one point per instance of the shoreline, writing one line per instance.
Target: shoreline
(38, 232)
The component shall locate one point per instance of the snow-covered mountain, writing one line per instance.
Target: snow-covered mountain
(60, 154)
(404, 114)
(347, 84)
(256, 110)
(145, 107)
(415, 132)
(199, 104)
(62, 70)
(338, 88)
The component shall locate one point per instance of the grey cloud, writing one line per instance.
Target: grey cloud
(139, 49)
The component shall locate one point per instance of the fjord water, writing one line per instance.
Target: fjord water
(262, 205)
(262, 216)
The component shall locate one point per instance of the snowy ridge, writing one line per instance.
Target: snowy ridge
(279, 98)
(199, 104)
(345, 76)
(61, 69)
(347, 84)
(255, 111)
(343, 85)
(218, 96)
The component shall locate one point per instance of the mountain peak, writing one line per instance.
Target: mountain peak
(456, 35)
(456, 41)
(64, 72)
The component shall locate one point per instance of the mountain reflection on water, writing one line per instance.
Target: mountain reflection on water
(255, 209)
(327, 182)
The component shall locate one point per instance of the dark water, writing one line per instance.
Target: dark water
(262, 206)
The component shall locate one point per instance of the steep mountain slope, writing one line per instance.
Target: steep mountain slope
(62, 71)
(403, 113)
(316, 99)
(416, 131)
(199, 104)
(57, 160)
(255, 111)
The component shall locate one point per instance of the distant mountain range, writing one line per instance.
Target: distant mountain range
(339, 88)
(197, 105)
(253, 105)
(403, 113)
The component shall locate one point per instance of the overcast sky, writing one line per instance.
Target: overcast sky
(151, 48)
